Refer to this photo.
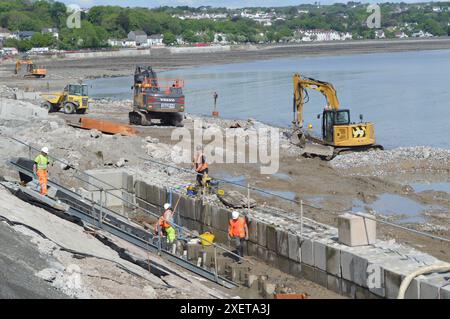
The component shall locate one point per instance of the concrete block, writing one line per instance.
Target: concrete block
(307, 252)
(445, 292)
(21, 111)
(253, 230)
(283, 264)
(263, 253)
(189, 206)
(348, 288)
(222, 263)
(294, 247)
(363, 293)
(262, 233)
(356, 230)
(163, 198)
(282, 243)
(272, 258)
(320, 255)
(252, 249)
(220, 218)
(271, 237)
(430, 288)
(127, 182)
(193, 251)
(107, 179)
(308, 272)
(354, 268)
(320, 277)
(139, 190)
(333, 255)
(413, 291)
(237, 273)
(392, 282)
(220, 236)
(376, 279)
(295, 269)
(334, 284)
(204, 214)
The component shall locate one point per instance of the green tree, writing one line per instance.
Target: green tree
(169, 38)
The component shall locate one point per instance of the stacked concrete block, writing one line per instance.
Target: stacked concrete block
(294, 248)
(307, 251)
(253, 231)
(445, 292)
(262, 233)
(107, 179)
(356, 230)
(271, 236)
(282, 243)
(431, 287)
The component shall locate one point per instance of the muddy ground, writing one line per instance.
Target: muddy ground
(327, 188)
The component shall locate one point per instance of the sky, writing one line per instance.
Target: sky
(214, 3)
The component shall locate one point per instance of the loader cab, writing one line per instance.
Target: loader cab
(77, 89)
(331, 118)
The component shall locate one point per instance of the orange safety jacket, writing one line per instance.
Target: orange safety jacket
(200, 163)
(164, 220)
(236, 228)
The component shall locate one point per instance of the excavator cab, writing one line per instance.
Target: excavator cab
(332, 118)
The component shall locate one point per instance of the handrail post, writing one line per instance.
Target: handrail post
(301, 219)
(216, 275)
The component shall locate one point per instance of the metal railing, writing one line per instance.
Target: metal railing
(104, 212)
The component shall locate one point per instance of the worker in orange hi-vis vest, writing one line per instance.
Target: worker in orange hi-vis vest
(200, 165)
(238, 233)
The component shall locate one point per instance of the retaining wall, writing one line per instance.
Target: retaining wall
(374, 271)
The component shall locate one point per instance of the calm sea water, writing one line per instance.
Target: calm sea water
(407, 95)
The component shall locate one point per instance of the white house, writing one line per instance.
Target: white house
(39, 50)
(322, 35)
(9, 51)
(53, 31)
(401, 35)
(124, 43)
(140, 37)
(155, 40)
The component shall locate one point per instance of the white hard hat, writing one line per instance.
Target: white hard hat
(235, 215)
(44, 150)
(167, 206)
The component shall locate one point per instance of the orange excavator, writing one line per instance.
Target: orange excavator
(32, 70)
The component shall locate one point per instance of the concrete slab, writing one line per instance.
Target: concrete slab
(295, 269)
(107, 179)
(307, 252)
(308, 272)
(271, 237)
(445, 292)
(282, 243)
(430, 287)
(294, 248)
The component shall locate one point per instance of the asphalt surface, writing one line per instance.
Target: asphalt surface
(19, 261)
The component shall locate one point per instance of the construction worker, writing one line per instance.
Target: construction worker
(165, 224)
(238, 233)
(201, 166)
(40, 169)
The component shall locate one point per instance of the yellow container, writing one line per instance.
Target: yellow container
(207, 239)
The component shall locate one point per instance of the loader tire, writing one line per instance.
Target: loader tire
(69, 108)
(81, 111)
(48, 106)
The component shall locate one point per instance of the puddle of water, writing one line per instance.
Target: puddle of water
(283, 176)
(240, 179)
(440, 187)
(392, 205)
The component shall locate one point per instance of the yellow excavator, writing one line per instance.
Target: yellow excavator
(339, 134)
(32, 70)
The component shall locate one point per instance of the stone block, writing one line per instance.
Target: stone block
(320, 255)
(294, 247)
(334, 284)
(282, 243)
(307, 252)
(356, 230)
(262, 233)
(354, 268)
(271, 237)
(320, 277)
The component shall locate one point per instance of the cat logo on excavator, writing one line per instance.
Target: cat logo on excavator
(359, 131)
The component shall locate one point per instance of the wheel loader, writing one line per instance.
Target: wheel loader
(156, 99)
(339, 134)
(73, 99)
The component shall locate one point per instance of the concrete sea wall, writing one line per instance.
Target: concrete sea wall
(373, 271)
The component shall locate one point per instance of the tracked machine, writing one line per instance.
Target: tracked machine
(32, 71)
(339, 134)
(156, 99)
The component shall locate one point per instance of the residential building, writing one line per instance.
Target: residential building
(24, 35)
(140, 37)
(155, 40)
(400, 35)
(123, 43)
(321, 35)
(53, 31)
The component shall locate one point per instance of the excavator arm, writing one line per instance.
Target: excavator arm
(300, 84)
